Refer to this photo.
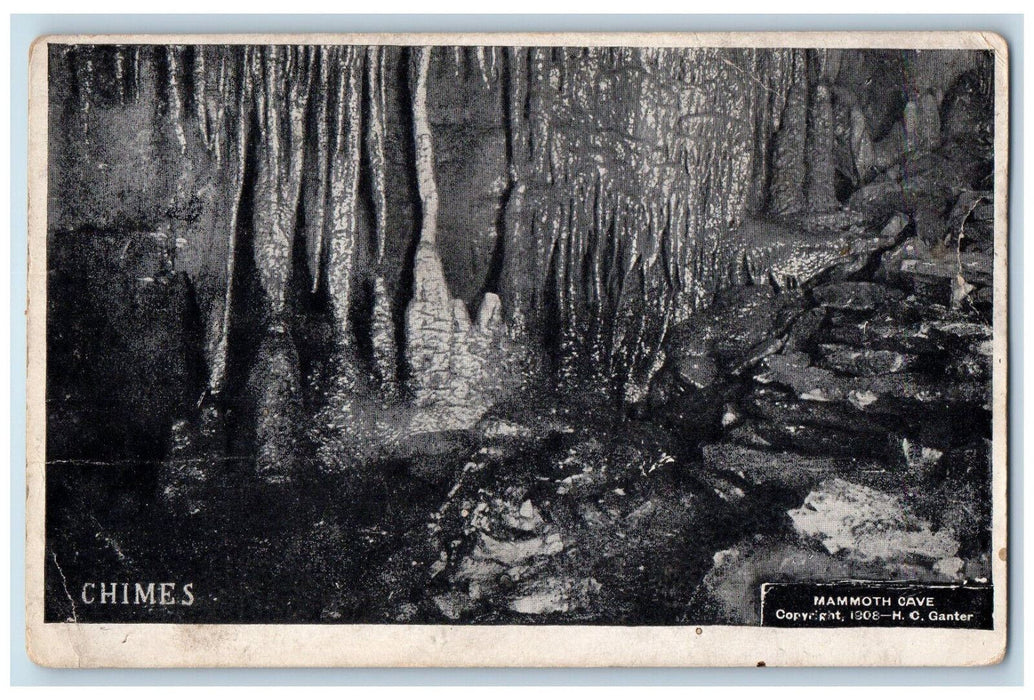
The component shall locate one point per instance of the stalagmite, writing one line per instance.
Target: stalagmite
(382, 336)
(454, 366)
(862, 147)
(929, 120)
(276, 384)
(429, 316)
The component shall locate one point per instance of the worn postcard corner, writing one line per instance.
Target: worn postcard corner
(517, 350)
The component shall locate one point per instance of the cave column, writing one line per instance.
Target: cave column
(452, 361)
(274, 380)
(429, 317)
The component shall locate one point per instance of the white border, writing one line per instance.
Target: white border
(189, 645)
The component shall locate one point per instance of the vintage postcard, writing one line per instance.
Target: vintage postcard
(518, 349)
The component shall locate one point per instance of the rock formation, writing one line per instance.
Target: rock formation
(521, 333)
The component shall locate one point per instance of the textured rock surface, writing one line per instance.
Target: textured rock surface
(519, 334)
(458, 369)
(761, 467)
(867, 524)
(533, 207)
(864, 362)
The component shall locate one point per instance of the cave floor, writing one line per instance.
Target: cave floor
(565, 510)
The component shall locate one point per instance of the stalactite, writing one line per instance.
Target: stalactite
(224, 96)
(119, 77)
(789, 164)
(458, 53)
(319, 177)
(427, 188)
(200, 95)
(135, 60)
(483, 68)
(762, 124)
(375, 130)
(625, 171)
(343, 189)
(821, 195)
(174, 95)
(382, 327)
(539, 111)
(85, 84)
(281, 108)
(517, 284)
(234, 132)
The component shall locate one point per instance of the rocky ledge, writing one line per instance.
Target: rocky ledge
(833, 429)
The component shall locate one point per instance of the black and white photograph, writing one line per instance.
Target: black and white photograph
(498, 334)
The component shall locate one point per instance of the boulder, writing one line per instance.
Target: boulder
(959, 333)
(526, 519)
(885, 332)
(729, 330)
(853, 296)
(811, 439)
(918, 458)
(794, 370)
(948, 278)
(746, 434)
(543, 596)
(453, 605)
(863, 362)
(913, 248)
(749, 317)
(869, 525)
(789, 253)
(804, 329)
(772, 404)
(966, 107)
(759, 467)
(892, 393)
(697, 371)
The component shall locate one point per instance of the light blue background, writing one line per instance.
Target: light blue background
(25, 28)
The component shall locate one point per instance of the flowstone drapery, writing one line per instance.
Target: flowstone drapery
(422, 229)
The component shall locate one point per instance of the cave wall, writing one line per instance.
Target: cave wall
(587, 197)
